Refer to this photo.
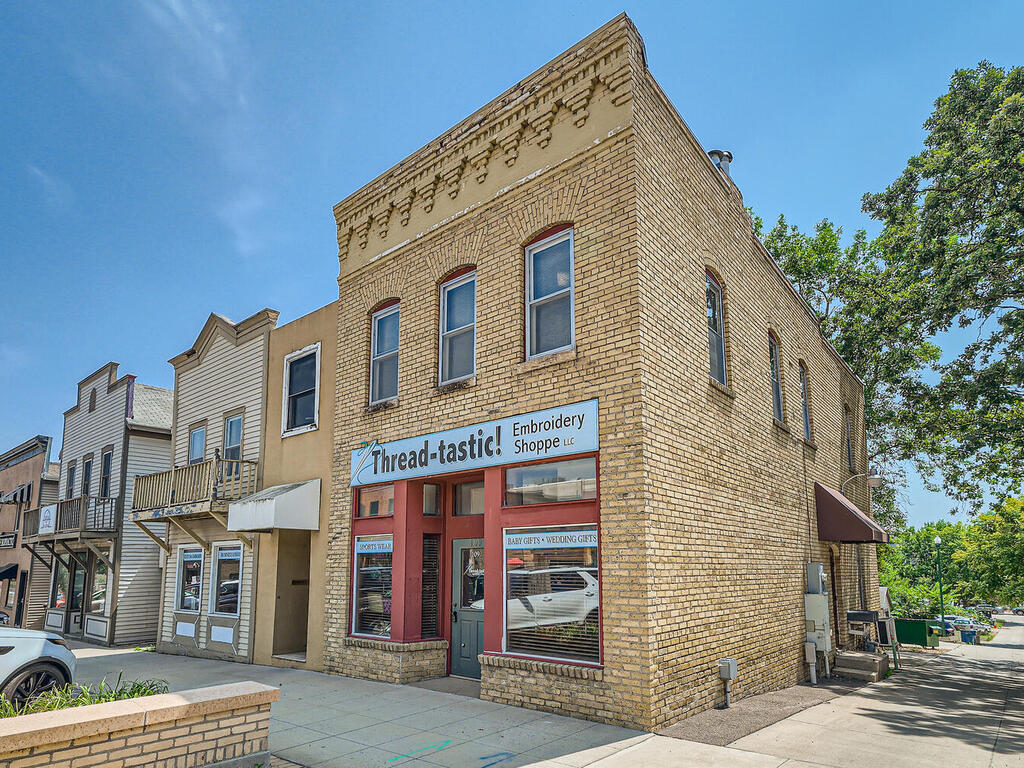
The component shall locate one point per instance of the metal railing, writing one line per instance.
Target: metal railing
(214, 479)
(82, 514)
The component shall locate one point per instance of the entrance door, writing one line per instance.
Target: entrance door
(76, 598)
(467, 606)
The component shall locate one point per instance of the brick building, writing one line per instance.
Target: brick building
(581, 416)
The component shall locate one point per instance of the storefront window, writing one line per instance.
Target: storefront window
(555, 481)
(59, 591)
(98, 599)
(12, 588)
(376, 501)
(469, 498)
(431, 500)
(227, 567)
(373, 586)
(552, 593)
(190, 579)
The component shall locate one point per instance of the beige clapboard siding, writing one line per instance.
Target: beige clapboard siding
(86, 432)
(48, 494)
(227, 378)
(38, 592)
(139, 572)
(212, 532)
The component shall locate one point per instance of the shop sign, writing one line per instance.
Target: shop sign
(372, 546)
(546, 434)
(192, 556)
(8, 540)
(550, 539)
(48, 518)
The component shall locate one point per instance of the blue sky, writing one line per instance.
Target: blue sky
(162, 160)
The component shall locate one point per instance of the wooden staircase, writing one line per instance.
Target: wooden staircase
(860, 665)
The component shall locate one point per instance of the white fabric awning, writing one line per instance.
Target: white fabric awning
(295, 506)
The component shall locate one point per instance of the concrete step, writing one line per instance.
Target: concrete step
(868, 662)
(857, 674)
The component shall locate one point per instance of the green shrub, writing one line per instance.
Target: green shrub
(71, 695)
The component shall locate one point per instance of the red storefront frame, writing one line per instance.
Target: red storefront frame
(408, 525)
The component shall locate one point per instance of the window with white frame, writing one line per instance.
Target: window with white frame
(384, 355)
(458, 329)
(196, 444)
(550, 322)
(190, 580)
(716, 329)
(552, 593)
(227, 578)
(805, 401)
(775, 374)
(372, 586)
(301, 404)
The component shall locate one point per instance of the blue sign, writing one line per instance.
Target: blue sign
(369, 546)
(547, 434)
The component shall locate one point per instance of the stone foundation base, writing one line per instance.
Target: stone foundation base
(389, 662)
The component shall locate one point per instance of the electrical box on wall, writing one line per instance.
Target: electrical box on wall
(818, 627)
(727, 669)
(817, 581)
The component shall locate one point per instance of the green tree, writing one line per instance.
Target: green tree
(993, 551)
(953, 245)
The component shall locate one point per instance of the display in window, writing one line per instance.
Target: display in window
(227, 570)
(98, 599)
(555, 481)
(373, 586)
(191, 580)
(552, 593)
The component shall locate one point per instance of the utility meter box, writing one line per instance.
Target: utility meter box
(817, 581)
(727, 669)
(819, 630)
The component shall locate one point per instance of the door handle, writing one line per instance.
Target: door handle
(455, 616)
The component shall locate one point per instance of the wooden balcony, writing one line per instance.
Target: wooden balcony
(78, 518)
(194, 489)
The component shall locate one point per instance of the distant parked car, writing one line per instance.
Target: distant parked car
(1019, 610)
(32, 662)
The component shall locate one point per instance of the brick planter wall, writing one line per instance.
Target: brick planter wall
(224, 725)
(398, 663)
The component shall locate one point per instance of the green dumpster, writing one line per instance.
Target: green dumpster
(917, 632)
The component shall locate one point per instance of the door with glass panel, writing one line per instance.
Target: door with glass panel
(467, 606)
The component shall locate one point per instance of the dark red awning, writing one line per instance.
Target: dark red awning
(840, 520)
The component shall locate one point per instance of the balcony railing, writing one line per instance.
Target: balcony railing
(81, 515)
(212, 480)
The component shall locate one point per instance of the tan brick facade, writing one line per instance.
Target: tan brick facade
(706, 505)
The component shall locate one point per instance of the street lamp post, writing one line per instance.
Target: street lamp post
(942, 603)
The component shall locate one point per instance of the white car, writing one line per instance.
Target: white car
(572, 597)
(32, 662)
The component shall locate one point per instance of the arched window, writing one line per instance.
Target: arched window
(550, 294)
(457, 343)
(92, 400)
(716, 329)
(775, 372)
(805, 401)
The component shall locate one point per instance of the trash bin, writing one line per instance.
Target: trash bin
(917, 632)
(969, 636)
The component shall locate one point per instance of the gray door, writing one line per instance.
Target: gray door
(467, 606)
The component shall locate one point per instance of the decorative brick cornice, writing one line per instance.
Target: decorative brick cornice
(526, 114)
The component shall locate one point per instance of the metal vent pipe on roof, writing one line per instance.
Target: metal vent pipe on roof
(721, 158)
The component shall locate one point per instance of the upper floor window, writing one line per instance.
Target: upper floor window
(805, 402)
(384, 355)
(69, 492)
(458, 329)
(716, 330)
(301, 390)
(775, 373)
(848, 429)
(106, 467)
(196, 445)
(233, 437)
(92, 400)
(86, 476)
(550, 325)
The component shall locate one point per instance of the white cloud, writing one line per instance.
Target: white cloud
(57, 193)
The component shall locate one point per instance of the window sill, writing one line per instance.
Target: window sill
(781, 425)
(810, 444)
(299, 430)
(455, 386)
(553, 668)
(724, 389)
(383, 405)
(386, 644)
(555, 358)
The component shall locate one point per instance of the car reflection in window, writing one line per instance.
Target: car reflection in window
(570, 595)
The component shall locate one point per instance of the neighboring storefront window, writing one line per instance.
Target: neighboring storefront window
(98, 600)
(227, 567)
(431, 500)
(376, 500)
(373, 586)
(552, 593)
(555, 481)
(190, 579)
(469, 498)
(59, 588)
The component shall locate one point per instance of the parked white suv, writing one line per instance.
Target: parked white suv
(32, 662)
(571, 597)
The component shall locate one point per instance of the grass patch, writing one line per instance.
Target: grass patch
(71, 695)
(146, 648)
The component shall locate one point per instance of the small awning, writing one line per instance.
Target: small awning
(840, 520)
(18, 494)
(9, 571)
(294, 506)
